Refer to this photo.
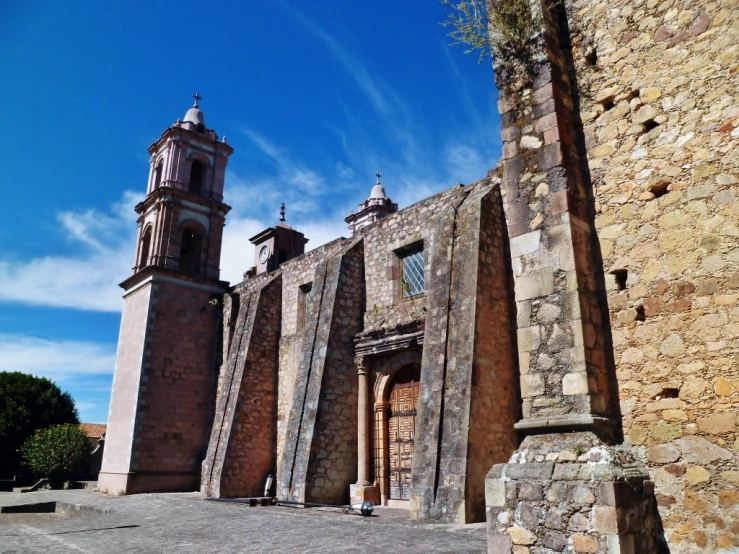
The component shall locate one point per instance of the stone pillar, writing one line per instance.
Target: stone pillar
(363, 490)
(572, 481)
(362, 425)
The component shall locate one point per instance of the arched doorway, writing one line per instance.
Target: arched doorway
(402, 403)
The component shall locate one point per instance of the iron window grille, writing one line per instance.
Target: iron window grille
(412, 271)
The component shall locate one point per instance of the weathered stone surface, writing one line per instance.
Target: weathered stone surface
(695, 475)
(699, 450)
(663, 454)
(718, 424)
(519, 535)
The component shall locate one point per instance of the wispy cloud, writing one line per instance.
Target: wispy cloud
(55, 359)
(378, 93)
(87, 279)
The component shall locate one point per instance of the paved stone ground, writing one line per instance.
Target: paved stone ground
(149, 523)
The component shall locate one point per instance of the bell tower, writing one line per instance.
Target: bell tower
(167, 359)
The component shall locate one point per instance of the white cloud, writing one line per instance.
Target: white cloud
(88, 279)
(55, 359)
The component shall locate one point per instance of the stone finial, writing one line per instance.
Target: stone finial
(282, 213)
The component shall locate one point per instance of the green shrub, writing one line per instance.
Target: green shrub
(57, 453)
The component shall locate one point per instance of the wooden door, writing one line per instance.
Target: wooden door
(401, 434)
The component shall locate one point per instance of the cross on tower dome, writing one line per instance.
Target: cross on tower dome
(197, 98)
(378, 191)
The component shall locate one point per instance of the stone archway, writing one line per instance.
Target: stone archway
(406, 366)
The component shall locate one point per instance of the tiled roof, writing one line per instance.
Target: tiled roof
(94, 430)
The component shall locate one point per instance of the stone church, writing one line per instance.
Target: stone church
(552, 349)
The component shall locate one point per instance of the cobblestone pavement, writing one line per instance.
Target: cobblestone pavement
(187, 523)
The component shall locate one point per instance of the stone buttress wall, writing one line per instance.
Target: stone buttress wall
(463, 375)
(243, 444)
(605, 501)
(495, 400)
(295, 273)
(659, 86)
(319, 459)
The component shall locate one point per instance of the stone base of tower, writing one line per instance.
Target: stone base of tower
(135, 483)
(571, 492)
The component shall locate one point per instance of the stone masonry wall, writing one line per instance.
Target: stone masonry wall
(178, 380)
(126, 382)
(295, 273)
(319, 457)
(659, 86)
(465, 372)
(495, 403)
(243, 443)
(383, 241)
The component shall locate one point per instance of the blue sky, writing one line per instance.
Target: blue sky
(314, 96)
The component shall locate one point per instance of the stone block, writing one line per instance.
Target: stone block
(542, 470)
(499, 543)
(584, 545)
(532, 384)
(522, 536)
(530, 491)
(566, 472)
(620, 544)
(529, 338)
(495, 492)
(609, 520)
(718, 424)
(663, 454)
(525, 244)
(536, 284)
(696, 475)
(615, 494)
(575, 383)
(700, 450)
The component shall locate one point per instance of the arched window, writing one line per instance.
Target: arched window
(158, 175)
(197, 173)
(145, 246)
(191, 244)
(200, 128)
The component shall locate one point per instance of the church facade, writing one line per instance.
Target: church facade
(551, 349)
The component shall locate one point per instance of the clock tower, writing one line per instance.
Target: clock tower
(167, 359)
(276, 245)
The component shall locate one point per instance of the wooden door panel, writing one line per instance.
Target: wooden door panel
(401, 427)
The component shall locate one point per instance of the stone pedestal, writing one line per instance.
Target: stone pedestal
(565, 492)
(360, 493)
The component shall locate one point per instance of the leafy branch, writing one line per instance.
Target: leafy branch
(504, 28)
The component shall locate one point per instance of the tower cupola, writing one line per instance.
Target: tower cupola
(374, 208)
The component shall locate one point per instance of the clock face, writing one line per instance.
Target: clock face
(264, 254)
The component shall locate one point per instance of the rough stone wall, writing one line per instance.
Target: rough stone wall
(178, 379)
(319, 459)
(659, 86)
(495, 403)
(295, 273)
(243, 443)
(568, 492)
(412, 225)
(462, 374)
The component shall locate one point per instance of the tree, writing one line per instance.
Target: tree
(28, 403)
(57, 453)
